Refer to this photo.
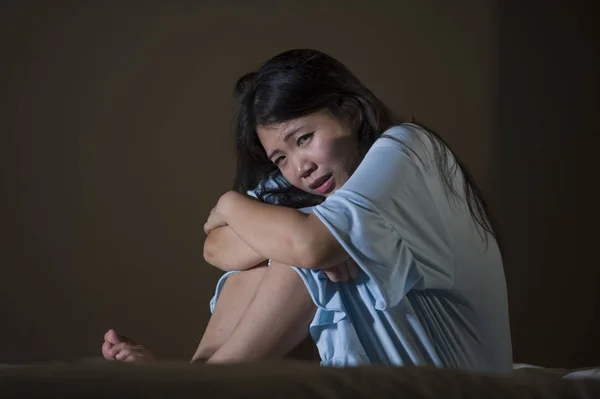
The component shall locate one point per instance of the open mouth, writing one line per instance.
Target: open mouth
(323, 185)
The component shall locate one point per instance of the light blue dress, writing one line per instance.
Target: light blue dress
(431, 290)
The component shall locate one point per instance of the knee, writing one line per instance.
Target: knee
(283, 281)
(250, 277)
(285, 277)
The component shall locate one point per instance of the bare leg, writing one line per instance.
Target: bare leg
(237, 293)
(275, 321)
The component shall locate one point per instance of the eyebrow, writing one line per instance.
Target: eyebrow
(286, 138)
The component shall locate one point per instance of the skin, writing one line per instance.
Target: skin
(226, 251)
(307, 150)
(237, 323)
(311, 147)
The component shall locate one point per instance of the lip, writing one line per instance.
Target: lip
(323, 185)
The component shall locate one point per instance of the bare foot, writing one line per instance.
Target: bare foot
(118, 347)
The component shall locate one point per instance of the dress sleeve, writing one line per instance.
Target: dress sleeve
(387, 217)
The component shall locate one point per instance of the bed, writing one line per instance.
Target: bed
(287, 379)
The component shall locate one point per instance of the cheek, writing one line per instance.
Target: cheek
(290, 176)
(326, 153)
(339, 154)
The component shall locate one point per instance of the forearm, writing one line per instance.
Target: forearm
(224, 249)
(282, 234)
(275, 232)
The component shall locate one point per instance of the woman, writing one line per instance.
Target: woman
(387, 195)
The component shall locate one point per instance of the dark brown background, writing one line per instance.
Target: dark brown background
(115, 119)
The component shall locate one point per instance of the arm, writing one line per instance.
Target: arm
(386, 176)
(283, 234)
(224, 249)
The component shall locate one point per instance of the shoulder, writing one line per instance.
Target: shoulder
(390, 165)
(404, 131)
(405, 136)
(410, 140)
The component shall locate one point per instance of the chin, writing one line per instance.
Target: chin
(329, 193)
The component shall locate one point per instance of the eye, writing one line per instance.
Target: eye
(279, 160)
(304, 138)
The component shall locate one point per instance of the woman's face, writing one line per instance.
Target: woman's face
(316, 153)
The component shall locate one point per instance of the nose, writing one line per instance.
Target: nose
(304, 168)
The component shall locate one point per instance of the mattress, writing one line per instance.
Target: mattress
(283, 379)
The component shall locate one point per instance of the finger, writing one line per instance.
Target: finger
(118, 348)
(106, 346)
(112, 337)
(142, 355)
(124, 353)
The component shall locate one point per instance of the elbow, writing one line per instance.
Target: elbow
(310, 264)
(310, 260)
(216, 256)
(208, 251)
(308, 255)
(211, 258)
(319, 252)
(315, 261)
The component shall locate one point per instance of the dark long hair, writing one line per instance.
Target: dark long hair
(300, 82)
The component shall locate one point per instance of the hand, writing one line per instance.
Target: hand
(117, 347)
(342, 272)
(215, 219)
